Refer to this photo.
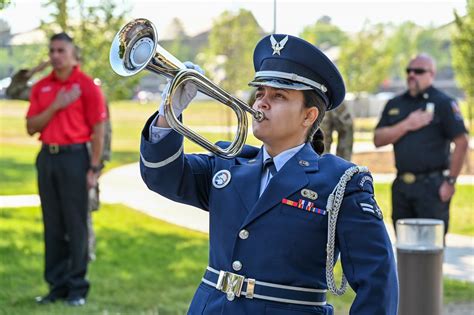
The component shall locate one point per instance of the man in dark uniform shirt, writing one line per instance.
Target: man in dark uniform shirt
(421, 124)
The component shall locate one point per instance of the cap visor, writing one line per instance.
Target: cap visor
(279, 84)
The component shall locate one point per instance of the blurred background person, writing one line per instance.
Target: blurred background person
(68, 110)
(421, 124)
(20, 89)
(339, 120)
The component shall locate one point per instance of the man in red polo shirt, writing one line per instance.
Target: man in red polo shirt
(68, 110)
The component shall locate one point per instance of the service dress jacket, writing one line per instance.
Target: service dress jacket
(284, 244)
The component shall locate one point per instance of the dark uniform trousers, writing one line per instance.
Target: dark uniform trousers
(64, 200)
(419, 199)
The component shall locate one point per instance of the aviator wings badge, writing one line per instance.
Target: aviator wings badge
(278, 46)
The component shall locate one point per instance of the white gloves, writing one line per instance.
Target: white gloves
(183, 95)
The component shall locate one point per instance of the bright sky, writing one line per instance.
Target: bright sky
(292, 16)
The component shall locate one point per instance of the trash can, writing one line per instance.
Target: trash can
(420, 245)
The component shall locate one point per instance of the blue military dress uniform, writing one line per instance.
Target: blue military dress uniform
(268, 252)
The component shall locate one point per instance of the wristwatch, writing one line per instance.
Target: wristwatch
(96, 168)
(451, 180)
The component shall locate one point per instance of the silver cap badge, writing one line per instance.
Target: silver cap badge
(278, 46)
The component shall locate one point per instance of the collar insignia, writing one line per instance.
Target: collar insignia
(278, 46)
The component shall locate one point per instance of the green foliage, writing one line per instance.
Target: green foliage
(60, 16)
(93, 31)
(324, 34)
(363, 61)
(432, 41)
(463, 53)
(4, 4)
(402, 46)
(98, 26)
(14, 58)
(178, 47)
(233, 36)
(409, 39)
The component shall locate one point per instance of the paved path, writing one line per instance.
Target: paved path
(124, 185)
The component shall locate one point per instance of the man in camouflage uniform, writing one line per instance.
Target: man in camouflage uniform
(339, 120)
(20, 89)
(94, 199)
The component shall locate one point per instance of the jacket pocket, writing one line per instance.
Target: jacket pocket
(303, 214)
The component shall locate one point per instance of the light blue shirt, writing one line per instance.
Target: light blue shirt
(279, 160)
(157, 133)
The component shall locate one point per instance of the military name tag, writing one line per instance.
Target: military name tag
(394, 111)
(221, 179)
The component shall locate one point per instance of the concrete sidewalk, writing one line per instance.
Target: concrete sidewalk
(124, 185)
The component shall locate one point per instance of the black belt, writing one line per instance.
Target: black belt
(235, 285)
(410, 178)
(56, 148)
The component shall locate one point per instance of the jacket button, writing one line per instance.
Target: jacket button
(244, 234)
(236, 265)
(230, 296)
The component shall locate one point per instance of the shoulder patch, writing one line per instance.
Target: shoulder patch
(371, 207)
(394, 111)
(366, 183)
(456, 110)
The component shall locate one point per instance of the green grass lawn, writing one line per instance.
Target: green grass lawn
(143, 266)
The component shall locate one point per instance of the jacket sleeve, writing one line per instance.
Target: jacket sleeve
(165, 169)
(366, 251)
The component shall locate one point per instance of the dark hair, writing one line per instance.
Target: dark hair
(65, 37)
(315, 136)
(318, 141)
(62, 36)
(251, 98)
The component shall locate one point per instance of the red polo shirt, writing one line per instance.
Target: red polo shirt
(75, 122)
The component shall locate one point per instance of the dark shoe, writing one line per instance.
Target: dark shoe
(47, 299)
(79, 301)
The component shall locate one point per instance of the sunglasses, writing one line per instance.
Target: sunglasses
(416, 70)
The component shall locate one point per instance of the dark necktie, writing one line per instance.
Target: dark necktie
(268, 164)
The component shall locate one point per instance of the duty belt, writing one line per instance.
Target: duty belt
(410, 178)
(54, 148)
(235, 285)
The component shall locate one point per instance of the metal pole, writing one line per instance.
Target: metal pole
(420, 266)
(274, 16)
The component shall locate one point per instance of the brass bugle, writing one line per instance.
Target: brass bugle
(135, 48)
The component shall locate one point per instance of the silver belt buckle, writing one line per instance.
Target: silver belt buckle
(53, 148)
(230, 283)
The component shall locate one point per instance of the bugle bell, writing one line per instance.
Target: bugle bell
(135, 48)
